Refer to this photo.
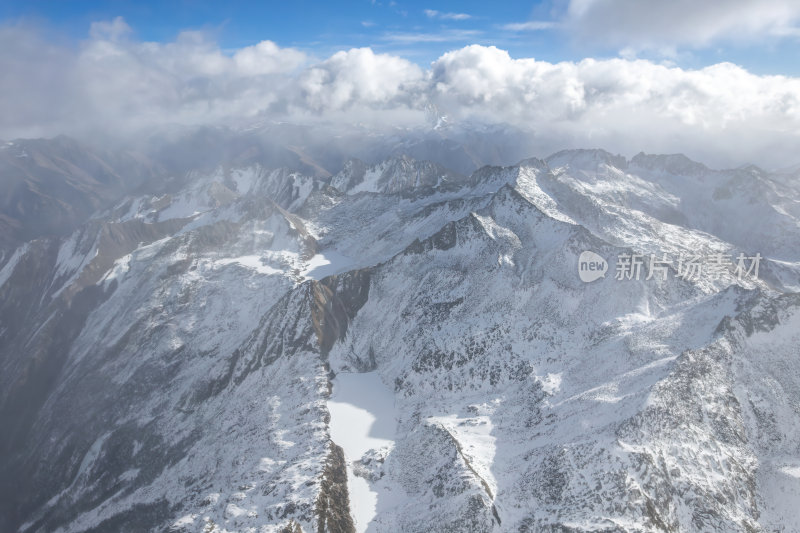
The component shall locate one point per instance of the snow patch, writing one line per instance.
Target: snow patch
(792, 471)
(9, 267)
(252, 262)
(326, 264)
(184, 522)
(552, 383)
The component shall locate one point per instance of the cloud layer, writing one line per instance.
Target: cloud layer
(113, 84)
(673, 23)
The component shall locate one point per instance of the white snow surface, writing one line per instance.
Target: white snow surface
(11, 264)
(363, 418)
(327, 263)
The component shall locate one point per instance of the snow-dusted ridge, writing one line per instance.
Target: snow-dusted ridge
(399, 347)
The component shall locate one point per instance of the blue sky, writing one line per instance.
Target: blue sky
(422, 31)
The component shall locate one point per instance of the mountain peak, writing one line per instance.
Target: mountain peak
(672, 163)
(400, 173)
(585, 159)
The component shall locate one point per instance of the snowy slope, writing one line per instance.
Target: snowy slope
(402, 348)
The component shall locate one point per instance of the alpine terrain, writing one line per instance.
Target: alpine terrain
(209, 335)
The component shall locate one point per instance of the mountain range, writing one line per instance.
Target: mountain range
(184, 326)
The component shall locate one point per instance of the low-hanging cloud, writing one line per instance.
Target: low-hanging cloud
(114, 84)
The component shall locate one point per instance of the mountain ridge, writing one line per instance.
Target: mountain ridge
(183, 381)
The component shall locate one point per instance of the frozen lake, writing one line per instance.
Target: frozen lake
(362, 418)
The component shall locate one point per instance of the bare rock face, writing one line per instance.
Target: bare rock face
(333, 504)
(167, 363)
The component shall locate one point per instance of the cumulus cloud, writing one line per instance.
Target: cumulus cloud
(358, 79)
(112, 81)
(114, 84)
(659, 24)
(721, 110)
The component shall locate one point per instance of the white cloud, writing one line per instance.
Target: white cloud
(719, 112)
(266, 58)
(432, 13)
(655, 24)
(110, 30)
(444, 36)
(358, 78)
(533, 25)
(113, 84)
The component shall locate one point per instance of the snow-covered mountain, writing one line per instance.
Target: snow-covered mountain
(401, 174)
(396, 346)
